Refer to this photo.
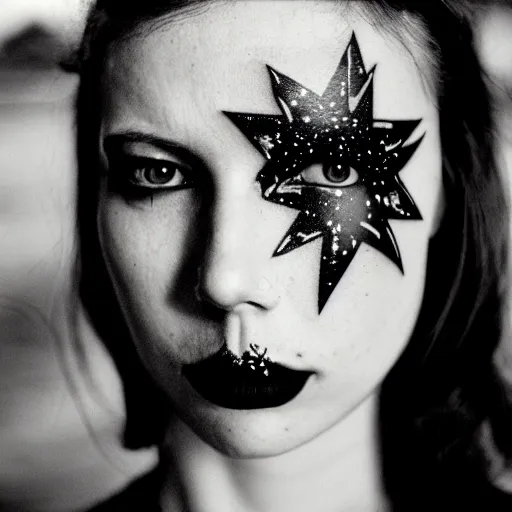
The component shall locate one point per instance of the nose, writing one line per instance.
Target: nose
(236, 263)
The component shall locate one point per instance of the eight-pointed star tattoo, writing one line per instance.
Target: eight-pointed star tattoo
(331, 160)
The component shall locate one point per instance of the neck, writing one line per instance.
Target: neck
(339, 470)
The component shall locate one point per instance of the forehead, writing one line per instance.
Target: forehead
(179, 75)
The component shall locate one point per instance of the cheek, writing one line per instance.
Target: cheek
(146, 249)
(375, 307)
(368, 320)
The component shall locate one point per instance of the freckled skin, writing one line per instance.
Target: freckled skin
(337, 127)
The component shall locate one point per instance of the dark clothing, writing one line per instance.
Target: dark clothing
(141, 495)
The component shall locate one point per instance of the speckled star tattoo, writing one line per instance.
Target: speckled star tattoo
(330, 159)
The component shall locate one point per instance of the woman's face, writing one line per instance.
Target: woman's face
(255, 220)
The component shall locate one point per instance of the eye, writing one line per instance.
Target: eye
(330, 174)
(150, 173)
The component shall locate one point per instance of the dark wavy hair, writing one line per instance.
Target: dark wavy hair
(444, 387)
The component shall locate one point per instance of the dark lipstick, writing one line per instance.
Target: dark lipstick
(251, 381)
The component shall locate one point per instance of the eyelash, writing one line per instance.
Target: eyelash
(308, 175)
(131, 175)
(138, 174)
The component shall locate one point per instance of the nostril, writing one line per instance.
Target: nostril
(256, 305)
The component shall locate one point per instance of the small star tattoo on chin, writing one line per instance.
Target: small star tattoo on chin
(330, 159)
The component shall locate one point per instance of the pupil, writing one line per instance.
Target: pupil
(336, 172)
(160, 175)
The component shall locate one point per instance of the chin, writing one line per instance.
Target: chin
(250, 434)
(245, 445)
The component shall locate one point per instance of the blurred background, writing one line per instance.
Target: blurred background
(60, 432)
(60, 426)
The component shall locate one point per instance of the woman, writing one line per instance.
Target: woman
(301, 218)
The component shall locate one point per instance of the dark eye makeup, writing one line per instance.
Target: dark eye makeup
(334, 202)
(139, 165)
(330, 174)
(127, 171)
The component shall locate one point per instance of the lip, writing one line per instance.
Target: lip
(251, 381)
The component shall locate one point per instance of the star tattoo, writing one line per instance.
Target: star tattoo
(330, 159)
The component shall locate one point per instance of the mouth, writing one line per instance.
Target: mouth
(251, 381)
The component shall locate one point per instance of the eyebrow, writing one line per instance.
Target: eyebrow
(113, 143)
